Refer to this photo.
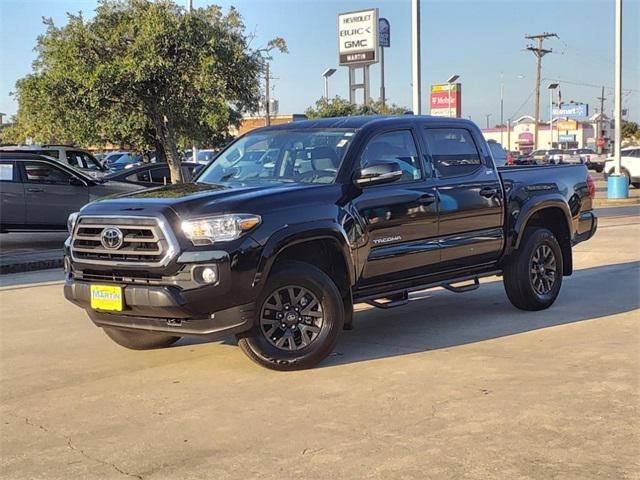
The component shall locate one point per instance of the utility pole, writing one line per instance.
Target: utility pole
(501, 107)
(415, 56)
(602, 98)
(267, 97)
(539, 52)
(194, 150)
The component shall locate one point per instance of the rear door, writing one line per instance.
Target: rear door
(12, 201)
(50, 194)
(400, 218)
(470, 226)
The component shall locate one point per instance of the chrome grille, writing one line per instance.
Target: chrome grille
(145, 241)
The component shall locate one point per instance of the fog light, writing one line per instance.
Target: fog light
(208, 274)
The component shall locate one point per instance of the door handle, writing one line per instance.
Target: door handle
(35, 190)
(426, 199)
(489, 192)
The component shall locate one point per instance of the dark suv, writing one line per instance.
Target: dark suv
(291, 225)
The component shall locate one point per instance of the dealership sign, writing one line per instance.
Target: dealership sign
(440, 97)
(571, 110)
(384, 33)
(566, 138)
(358, 37)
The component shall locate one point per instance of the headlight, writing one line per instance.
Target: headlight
(222, 228)
(71, 221)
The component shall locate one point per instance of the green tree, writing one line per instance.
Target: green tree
(145, 73)
(339, 107)
(630, 129)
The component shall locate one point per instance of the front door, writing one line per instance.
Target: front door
(51, 194)
(11, 195)
(470, 194)
(400, 219)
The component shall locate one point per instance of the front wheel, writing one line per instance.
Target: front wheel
(298, 318)
(532, 279)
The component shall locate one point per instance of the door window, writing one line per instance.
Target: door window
(143, 176)
(398, 146)
(159, 175)
(40, 172)
(453, 151)
(8, 172)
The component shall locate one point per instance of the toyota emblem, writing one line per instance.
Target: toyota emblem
(112, 238)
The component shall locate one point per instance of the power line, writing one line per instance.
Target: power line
(539, 52)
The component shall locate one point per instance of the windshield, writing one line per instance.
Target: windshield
(126, 158)
(307, 156)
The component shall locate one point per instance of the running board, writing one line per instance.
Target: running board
(396, 300)
(464, 288)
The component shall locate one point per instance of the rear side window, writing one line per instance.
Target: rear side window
(47, 153)
(161, 175)
(453, 151)
(8, 172)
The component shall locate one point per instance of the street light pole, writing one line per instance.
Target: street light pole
(552, 87)
(415, 56)
(488, 115)
(194, 151)
(618, 184)
(501, 107)
(326, 74)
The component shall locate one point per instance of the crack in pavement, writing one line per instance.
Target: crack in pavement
(79, 450)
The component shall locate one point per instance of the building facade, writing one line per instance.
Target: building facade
(563, 134)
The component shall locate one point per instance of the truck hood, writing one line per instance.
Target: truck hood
(191, 199)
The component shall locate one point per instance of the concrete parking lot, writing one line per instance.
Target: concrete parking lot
(447, 387)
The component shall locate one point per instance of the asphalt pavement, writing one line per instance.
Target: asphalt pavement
(448, 386)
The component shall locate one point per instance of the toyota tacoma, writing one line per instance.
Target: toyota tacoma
(291, 225)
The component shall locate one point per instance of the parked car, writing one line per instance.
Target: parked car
(630, 165)
(572, 156)
(354, 209)
(125, 161)
(39, 193)
(498, 153)
(73, 156)
(520, 158)
(153, 174)
(205, 156)
(552, 156)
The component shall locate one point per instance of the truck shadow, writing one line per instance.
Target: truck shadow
(440, 319)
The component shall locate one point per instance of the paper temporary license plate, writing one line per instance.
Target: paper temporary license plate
(106, 297)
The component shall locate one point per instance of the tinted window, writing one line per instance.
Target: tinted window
(499, 154)
(8, 172)
(161, 175)
(453, 151)
(142, 176)
(397, 146)
(47, 153)
(40, 172)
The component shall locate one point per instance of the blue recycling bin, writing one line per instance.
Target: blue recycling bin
(617, 187)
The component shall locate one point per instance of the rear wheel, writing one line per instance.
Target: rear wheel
(298, 318)
(139, 340)
(532, 279)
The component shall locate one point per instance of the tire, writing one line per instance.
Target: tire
(534, 291)
(139, 340)
(283, 338)
(635, 184)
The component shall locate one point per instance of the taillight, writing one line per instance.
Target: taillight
(592, 187)
(588, 158)
(509, 159)
(560, 157)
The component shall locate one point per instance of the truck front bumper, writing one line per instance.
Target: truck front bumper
(165, 309)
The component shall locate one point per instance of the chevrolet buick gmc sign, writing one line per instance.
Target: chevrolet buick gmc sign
(358, 37)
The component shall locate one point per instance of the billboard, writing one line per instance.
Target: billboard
(571, 110)
(440, 100)
(358, 37)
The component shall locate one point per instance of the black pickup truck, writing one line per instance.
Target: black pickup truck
(291, 225)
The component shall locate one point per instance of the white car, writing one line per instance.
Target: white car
(71, 155)
(630, 164)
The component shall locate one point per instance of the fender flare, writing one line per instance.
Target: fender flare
(290, 235)
(530, 208)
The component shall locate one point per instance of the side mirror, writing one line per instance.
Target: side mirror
(377, 174)
(76, 182)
